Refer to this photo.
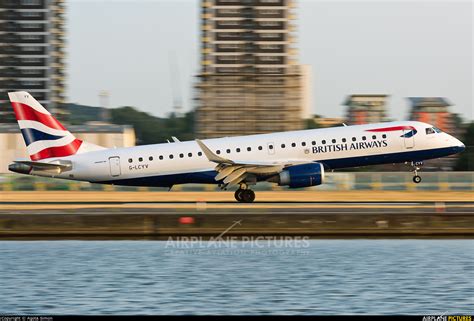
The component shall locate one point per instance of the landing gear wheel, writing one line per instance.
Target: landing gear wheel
(416, 165)
(238, 195)
(248, 196)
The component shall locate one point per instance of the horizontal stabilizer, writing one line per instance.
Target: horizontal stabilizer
(45, 166)
(26, 167)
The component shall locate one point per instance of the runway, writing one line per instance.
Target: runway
(262, 197)
(234, 208)
(160, 215)
(160, 220)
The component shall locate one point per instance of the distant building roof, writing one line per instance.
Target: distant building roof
(368, 95)
(351, 98)
(87, 128)
(429, 101)
(329, 121)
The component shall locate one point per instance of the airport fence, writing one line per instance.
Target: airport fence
(390, 181)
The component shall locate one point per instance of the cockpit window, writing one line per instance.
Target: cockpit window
(433, 130)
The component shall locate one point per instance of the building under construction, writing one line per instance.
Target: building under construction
(32, 52)
(250, 80)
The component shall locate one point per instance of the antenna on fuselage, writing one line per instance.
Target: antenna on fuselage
(344, 124)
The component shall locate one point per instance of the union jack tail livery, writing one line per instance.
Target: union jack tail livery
(45, 137)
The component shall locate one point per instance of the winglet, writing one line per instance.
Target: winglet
(211, 156)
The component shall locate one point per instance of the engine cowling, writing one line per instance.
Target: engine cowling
(304, 175)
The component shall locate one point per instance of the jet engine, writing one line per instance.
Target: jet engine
(304, 175)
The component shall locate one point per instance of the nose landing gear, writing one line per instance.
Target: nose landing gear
(416, 167)
(244, 195)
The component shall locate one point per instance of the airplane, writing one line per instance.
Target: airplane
(295, 158)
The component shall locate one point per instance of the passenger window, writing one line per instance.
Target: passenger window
(374, 137)
(313, 142)
(364, 138)
(249, 149)
(260, 147)
(270, 146)
(343, 140)
(161, 157)
(218, 152)
(238, 150)
(171, 156)
(303, 144)
(190, 154)
(199, 153)
(323, 142)
(181, 155)
(293, 145)
(384, 136)
(140, 159)
(130, 160)
(353, 139)
(228, 151)
(429, 131)
(150, 158)
(282, 145)
(333, 141)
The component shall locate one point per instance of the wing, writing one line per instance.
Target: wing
(235, 172)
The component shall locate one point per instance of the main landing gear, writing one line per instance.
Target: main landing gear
(244, 195)
(416, 167)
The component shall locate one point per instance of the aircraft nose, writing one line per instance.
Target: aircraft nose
(459, 146)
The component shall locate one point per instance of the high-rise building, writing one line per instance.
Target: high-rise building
(32, 52)
(432, 110)
(250, 81)
(365, 109)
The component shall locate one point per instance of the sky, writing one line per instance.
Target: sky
(145, 53)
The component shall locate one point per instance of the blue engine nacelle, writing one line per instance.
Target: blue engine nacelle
(304, 175)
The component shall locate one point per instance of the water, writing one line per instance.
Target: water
(320, 277)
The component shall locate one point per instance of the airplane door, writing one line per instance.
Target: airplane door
(114, 163)
(408, 139)
(271, 148)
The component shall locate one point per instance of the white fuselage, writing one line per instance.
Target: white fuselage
(184, 162)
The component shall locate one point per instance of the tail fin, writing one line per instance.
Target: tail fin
(44, 135)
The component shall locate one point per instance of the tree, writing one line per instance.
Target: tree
(311, 124)
(150, 129)
(466, 159)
